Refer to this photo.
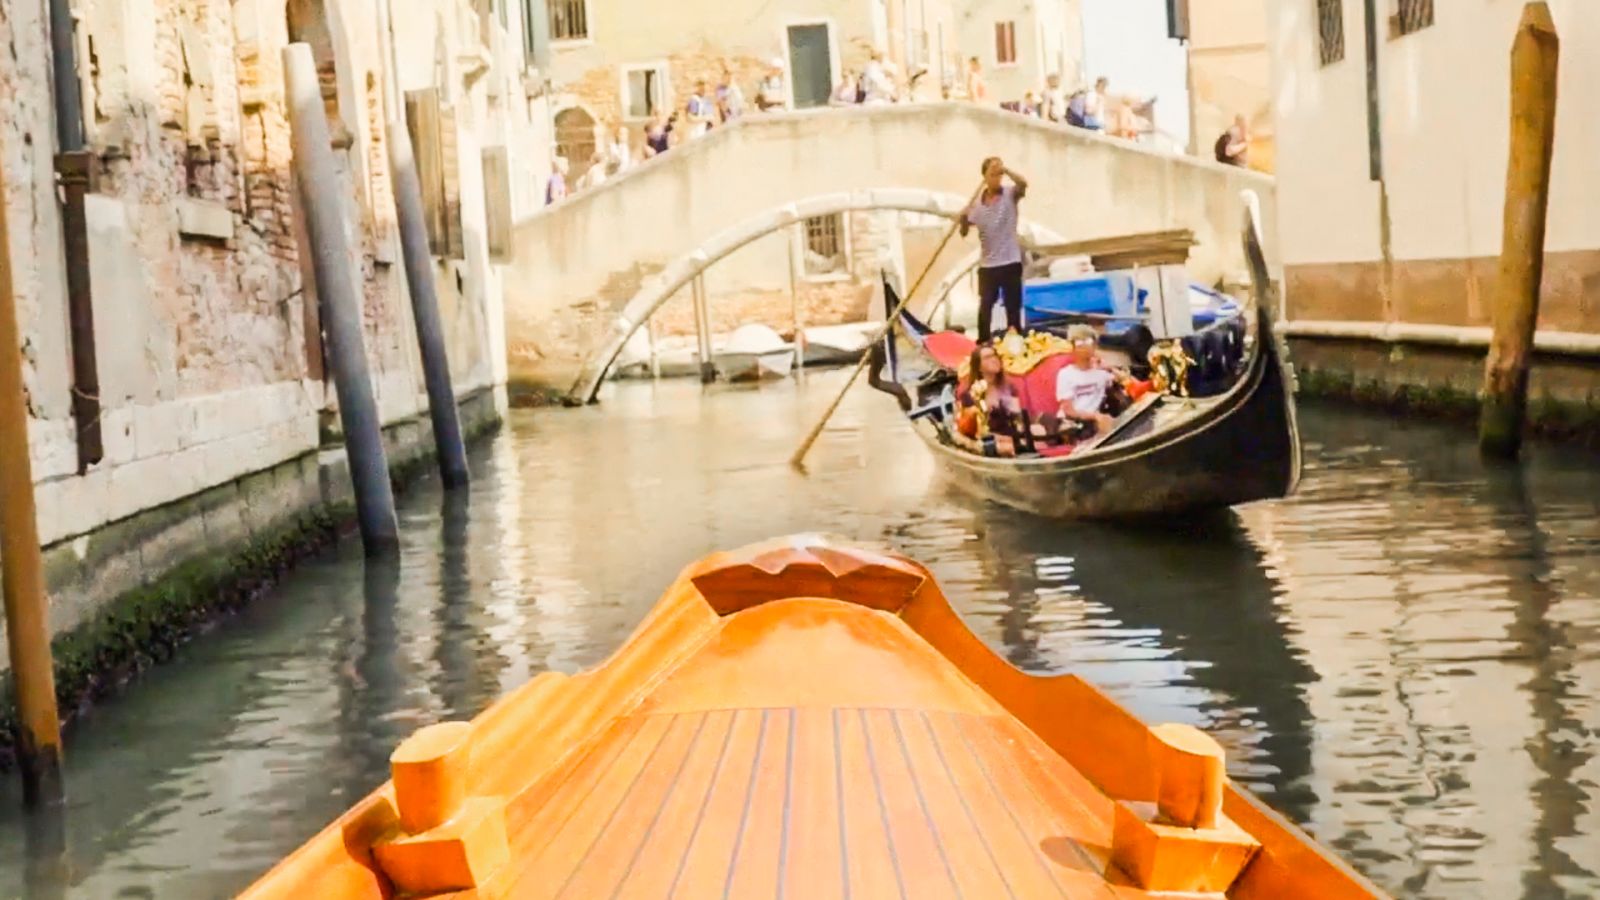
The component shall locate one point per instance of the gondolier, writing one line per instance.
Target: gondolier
(994, 213)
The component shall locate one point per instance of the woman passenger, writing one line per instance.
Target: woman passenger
(992, 403)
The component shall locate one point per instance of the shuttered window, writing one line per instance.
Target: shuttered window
(497, 203)
(433, 142)
(1330, 31)
(1005, 43)
(569, 20)
(1411, 16)
(825, 245)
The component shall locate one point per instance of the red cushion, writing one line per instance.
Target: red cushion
(1037, 389)
(950, 348)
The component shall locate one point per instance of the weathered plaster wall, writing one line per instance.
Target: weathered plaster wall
(206, 322)
(575, 266)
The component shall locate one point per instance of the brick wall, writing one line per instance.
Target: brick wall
(202, 295)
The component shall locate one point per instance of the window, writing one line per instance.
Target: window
(1330, 31)
(536, 34)
(569, 20)
(917, 52)
(1411, 16)
(1005, 43)
(824, 249)
(425, 120)
(643, 91)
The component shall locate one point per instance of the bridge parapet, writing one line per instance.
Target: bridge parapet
(579, 263)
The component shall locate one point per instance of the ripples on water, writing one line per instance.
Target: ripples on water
(1403, 657)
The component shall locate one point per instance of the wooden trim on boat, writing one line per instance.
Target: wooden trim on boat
(755, 636)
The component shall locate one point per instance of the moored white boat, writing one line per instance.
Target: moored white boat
(833, 345)
(753, 352)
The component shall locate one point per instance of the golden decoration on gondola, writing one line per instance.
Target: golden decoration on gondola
(1169, 368)
(1019, 355)
(980, 394)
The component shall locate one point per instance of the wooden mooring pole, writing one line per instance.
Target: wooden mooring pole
(1534, 57)
(410, 219)
(321, 193)
(21, 564)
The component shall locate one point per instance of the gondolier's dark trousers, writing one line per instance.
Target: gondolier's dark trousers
(997, 283)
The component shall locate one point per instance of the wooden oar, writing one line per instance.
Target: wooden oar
(888, 325)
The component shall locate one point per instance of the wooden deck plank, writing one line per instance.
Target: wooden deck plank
(753, 868)
(924, 860)
(975, 869)
(872, 861)
(1057, 784)
(532, 826)
(702, 870)
(660, 852)
(815, 863)
(604, 866)
(1027, 870)
(567, 845)
(1065, 837)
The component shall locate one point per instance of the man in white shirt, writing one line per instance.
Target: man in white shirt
(879, 79)
(1081, 387)
(1055, 99)
(595, 175)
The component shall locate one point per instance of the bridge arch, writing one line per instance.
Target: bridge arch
(659, 288)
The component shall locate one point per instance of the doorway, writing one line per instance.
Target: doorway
(810, 65)
(575, 140)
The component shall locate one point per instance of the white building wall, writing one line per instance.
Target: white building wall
(1445, 109)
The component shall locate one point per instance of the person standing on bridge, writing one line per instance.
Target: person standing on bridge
(994, 213)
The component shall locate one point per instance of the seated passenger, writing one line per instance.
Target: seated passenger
(1081, 387)
(990, 412)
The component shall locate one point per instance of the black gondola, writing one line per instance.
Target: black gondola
(1176, 455)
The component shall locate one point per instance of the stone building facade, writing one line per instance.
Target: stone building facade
(215, 402)
(619, 64)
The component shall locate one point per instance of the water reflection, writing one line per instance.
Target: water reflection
(1183, 621)
(1403, 657)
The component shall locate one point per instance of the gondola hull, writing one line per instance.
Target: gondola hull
(1244, 448)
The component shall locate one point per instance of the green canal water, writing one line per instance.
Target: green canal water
(1404, 658)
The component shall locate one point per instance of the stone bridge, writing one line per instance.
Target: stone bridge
(633, 241)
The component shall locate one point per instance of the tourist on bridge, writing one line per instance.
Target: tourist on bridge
(976, 90)
(848, 92)
(1233, 147)
(656, 137)
(1087, 109)
(1054, 103)
(595, 175)
(730, 99)
(994, 213)
(555, 188)
(770, 94)
(700, 111)
(879, 79)
(619, 153)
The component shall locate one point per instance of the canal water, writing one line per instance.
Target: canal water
(1404, 658)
